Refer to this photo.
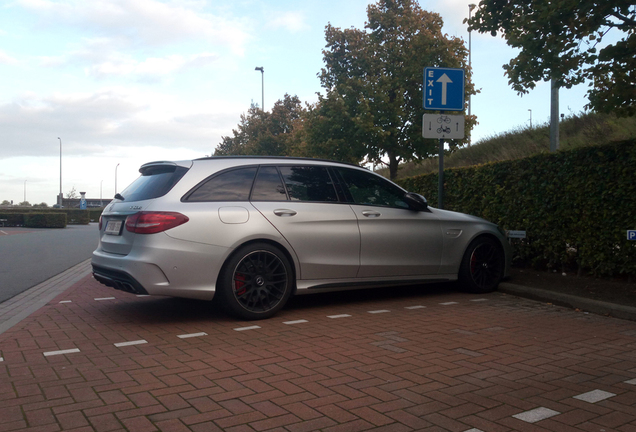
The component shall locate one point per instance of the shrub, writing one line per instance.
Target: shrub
(574, 205)
(45, 220)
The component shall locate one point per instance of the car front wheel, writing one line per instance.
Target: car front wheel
(256, 282)
(482, 266)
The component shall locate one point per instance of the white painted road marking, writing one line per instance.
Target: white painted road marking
(137, 342)
(536, 415)
(68, 351)
(295, 322)
(339, 316)
(594, 396)
(246, 328)
(191, 335)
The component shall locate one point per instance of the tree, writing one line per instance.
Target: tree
(72, 193)
(566, 41)
(41, 205)
(264, 133)
(6, 202)
(375, 76)
(25, 204)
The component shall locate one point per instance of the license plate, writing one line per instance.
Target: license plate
(113, 227)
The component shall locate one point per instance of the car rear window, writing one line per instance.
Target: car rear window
(233, 185)
(154, 182)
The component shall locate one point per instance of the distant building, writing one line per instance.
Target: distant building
(90, 202)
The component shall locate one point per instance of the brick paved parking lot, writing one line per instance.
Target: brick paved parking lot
(430, 359)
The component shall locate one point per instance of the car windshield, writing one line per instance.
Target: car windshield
(154, 182)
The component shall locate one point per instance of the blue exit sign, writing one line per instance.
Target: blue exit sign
(444, 89)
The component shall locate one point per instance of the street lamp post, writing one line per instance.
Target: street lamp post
(101, 204)
(116, 179)
(260, 68)
(530, 118)
(470, 10)
(25, 191)
(60, 196)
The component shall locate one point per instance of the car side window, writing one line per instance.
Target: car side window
(308, 183)
(369, 189)
(233, 185)
(268, 185)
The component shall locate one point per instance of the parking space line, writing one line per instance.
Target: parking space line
(105, 298)
(536, 415)
(479, 300)
(137, 342)
(415, 307)
(68, 351)
(379, 311)
(191, 335)
(295, 322)
(338, 316)
(594, 396)
(448, 303)
(247, 328)
(631, 381)
(66, 301)
(1, 359)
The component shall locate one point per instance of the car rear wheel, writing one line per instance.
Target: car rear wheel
(256, 282)
(482, 266)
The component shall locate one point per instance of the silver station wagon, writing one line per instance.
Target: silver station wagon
(252, 231)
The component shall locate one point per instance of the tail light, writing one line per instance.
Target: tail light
(154, 222)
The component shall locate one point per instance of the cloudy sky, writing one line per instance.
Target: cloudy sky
(123, 82)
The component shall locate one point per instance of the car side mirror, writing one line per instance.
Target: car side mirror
(416, 201)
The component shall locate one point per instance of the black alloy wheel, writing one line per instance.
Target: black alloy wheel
(482, 267)
(257, 282)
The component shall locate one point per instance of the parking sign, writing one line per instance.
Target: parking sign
(631, 235)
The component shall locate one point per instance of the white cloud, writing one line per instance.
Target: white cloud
(7, 59)
(148, 22)
(291, 21)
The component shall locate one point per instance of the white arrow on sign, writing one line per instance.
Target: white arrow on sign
(445, 80)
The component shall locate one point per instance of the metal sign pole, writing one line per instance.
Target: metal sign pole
(440, 188)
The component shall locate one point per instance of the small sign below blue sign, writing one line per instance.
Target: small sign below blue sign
(631, 235)
(444, 89)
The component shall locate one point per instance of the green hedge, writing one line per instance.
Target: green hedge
(45, 220)
(576, 206)
(73, 216)
(12, 218)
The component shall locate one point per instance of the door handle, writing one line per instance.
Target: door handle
(371, 213)
(284, 212)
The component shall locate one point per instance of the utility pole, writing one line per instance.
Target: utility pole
(554, 116)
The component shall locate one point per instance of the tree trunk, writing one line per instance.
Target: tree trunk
(393, 165)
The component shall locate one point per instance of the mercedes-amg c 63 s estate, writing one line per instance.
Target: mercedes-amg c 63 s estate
(252, 231)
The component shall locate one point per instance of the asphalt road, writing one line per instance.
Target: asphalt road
(29, 256)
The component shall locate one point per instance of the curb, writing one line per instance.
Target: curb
(589, 305)
(15, 309)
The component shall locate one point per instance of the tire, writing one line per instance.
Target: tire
(482, 266)
(256, 282)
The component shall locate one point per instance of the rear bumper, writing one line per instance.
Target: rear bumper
(119, 280)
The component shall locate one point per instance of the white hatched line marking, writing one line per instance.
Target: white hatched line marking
(448, 303)
(295, 322)
(191, 335)
(339, 316)
(474, 430)
(137, 342)
(143, 295)
(68, 351)
(247, 328)
(594, 396)
(105, 298)
(479, 300)
(631, 381)
(379, 311)
(536, 415)
(415, 307)
(1, 359)
(66, 301)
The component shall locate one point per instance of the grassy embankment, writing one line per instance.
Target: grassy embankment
(575, 131)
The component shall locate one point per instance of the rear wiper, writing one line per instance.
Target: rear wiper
(119, 197)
